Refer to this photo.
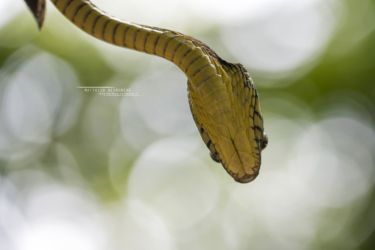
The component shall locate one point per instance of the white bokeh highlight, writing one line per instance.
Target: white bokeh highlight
(38, 101)
(162, 109)
(138, 226)
(285, 38)
(51, 215)
(163, 175)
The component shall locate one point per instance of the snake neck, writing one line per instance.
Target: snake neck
(193, 57)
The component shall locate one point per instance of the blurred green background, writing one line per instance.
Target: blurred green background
(79, 170)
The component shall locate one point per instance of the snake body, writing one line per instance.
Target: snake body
(222, 97)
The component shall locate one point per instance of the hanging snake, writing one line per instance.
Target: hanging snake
(222, 97)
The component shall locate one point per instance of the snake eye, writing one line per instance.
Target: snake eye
(215, 157)
(264, 141)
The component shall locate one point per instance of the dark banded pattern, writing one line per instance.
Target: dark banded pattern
(138, 37)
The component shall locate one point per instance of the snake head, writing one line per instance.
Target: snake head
(227, 112)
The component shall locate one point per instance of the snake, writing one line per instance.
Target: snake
(222, 96)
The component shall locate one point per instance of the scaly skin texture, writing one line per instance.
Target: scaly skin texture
(222, 97)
